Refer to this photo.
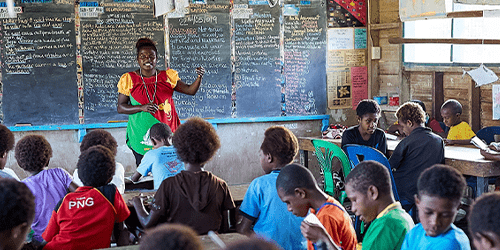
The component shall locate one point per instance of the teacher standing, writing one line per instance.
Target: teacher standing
(146, 96)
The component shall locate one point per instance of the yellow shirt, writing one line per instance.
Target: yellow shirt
(461, 131)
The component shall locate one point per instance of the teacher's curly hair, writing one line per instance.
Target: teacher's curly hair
(145, 42)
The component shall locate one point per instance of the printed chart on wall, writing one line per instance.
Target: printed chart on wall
(38, 64)
(304, 57)
(202, 38)
(347, 74)
(496, 101)
(257, 76)
(109, 31)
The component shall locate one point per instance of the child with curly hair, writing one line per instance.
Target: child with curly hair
(17, 210)
(194, 197)
(171, 237)
(6, 145)
(263, 212)
(86, 218)
(33, 153)
(104, 138)
(419, 150)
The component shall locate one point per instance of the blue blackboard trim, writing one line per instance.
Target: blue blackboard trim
(83, 127)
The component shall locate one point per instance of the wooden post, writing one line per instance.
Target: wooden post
(475, 106)
(438, 95)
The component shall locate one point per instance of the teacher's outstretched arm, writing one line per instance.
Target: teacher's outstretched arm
(124, 106)
(182, 87)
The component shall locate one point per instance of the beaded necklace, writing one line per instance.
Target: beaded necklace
(144, 83)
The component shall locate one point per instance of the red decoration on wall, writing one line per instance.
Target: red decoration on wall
(356, 7)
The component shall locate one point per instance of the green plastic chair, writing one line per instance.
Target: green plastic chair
(326, 152)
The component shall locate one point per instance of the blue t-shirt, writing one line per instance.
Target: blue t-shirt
(162, 163)
(272, 219)
(454, 238)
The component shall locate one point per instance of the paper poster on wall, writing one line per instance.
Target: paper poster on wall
(410, 10)
(360, 38)
(359, 85)
(496, 101)
(355, 57)
(339, 88)
(340, 38)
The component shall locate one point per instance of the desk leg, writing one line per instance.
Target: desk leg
(304, 158)
(482, 186)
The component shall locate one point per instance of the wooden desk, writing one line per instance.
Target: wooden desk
(466, 159)
(207, 243)
(237, 192)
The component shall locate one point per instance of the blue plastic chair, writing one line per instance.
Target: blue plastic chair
(488, 133)
(358, 153)
(355, 152)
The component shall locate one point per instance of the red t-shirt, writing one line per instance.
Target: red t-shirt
(85, 219)
(337, 223)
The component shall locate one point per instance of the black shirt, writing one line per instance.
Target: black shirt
(377, 140)
(415, 153)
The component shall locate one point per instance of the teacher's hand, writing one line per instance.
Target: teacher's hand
(200, 71)
(150, 108)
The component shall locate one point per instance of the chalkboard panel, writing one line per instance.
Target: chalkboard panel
(203, 40)
(257, 74)
(39, 67)
(108, 51)
(305, 56)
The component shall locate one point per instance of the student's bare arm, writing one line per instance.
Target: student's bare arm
(122, 235)
(136, 176)
(493, 157)
(146, 219)
(245, 227)
(124, 106)
(72, 187)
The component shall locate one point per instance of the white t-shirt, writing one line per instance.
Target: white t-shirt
(118, 178)
(11, 173)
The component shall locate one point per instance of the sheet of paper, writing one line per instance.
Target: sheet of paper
(496, 101)
(482, 75)
(410, 10)
(340, 38)
(359, 81)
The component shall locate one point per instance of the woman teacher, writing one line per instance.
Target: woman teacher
(146, 96)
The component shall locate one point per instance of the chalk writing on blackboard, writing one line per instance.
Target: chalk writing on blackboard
(304, 53)
(202, 40)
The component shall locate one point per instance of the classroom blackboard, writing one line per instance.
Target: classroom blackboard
(108, 38)
(257, 75)
(203, 39)
(304, 48)
(38, 65)
(61, 62)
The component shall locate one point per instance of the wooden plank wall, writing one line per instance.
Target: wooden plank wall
(388, 74)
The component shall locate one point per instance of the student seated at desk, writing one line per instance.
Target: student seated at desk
(366, 132)
(170, 237)
(263, 213)
(368, 187)
(437, 127)
(460, 132)
(17, 211)
(419, 150)
(193, 197)
(440, 189)
(49, 186)
(162, 160)
(6, 144)
(484, 221)
(298, 189)
(86, 218)
(104, 138)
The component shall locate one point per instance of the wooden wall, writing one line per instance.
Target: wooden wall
(430, 84)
